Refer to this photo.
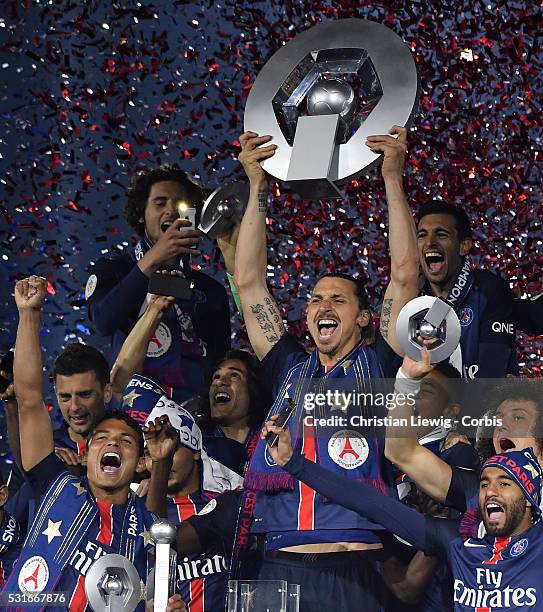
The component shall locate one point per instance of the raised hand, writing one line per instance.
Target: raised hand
(160, 303)
(253, 154)
(417, 369)
(175, 241)
(282, 451)
(394, 150)
(161, 438)
(30, 293)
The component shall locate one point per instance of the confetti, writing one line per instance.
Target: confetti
(100, 90)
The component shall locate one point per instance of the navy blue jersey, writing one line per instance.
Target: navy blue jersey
(218, 523)
(202, 578)
(227, 451)
(298, 517)
(191, 338)
(489, 574)
(103, 536)
(61, 438)
(11, 540)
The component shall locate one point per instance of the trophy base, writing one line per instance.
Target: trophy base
(175, 286)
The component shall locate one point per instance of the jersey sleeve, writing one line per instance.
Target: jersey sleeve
(43, 474)
(283, 355)
(496, 328)
(463, 488)
(115, 295)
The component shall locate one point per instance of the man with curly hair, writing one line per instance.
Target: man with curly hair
(194, 333)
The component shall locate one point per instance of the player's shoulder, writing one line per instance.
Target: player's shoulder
(114, 261)
(490, 282)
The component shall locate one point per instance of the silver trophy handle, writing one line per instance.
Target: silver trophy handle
(163, 533)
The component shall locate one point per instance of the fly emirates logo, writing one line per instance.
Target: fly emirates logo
(490, 593)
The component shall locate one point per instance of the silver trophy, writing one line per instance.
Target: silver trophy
(431, 319)
(112, 584)
(322, 94)
(222, 208)
(161, 581)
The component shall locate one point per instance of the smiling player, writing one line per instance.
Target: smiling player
(500, 571)
(79, 519)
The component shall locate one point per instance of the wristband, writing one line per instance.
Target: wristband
(406, 385)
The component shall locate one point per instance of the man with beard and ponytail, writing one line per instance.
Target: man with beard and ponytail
(482, 300)
(194, 333)
(78, 519)
(308, 541)
(500, 571)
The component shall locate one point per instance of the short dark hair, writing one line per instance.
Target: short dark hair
(120, 416)
(437, 207)
(361, 294)
(78, 358)
(140, 188)
(520, 389)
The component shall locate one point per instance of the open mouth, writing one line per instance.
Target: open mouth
(221, 397)
(166, 225)
(494, 511)
(435, 261)
(79, 419)
(506, 444)
(110, 462)
(326, 327)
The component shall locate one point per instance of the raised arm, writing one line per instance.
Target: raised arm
(402, 236)
(262, 317)
(162, 441)
(132, 354)
(35, 430)
(426, 470)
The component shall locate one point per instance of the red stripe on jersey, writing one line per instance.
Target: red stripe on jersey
(483, 610)
(169, 391)
(78, 602)
(105, 536)
(185, 508)
(500, 543)
(196, 603)
(2, 574)
(81, 448)
(306, 507)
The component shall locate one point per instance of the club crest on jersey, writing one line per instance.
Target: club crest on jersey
(348, 449)
(34, 575)
(160, 342)
(518, 547)
(465, 316)
(90, 287)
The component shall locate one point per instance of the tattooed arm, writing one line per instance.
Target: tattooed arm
(402, 238)
(262, 317)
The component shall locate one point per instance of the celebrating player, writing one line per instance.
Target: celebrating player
(501, 570)
(78, 519)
